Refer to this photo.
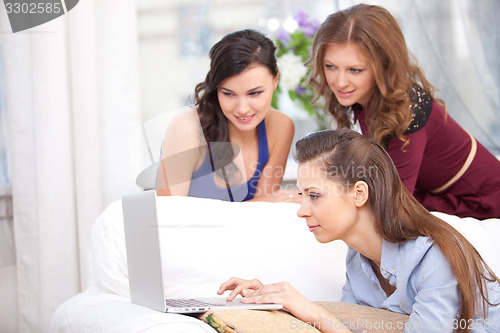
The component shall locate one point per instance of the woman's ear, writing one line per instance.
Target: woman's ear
(276, 80)
(360, 192)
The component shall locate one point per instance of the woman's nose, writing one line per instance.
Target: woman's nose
(304, 210)
(243, 106)
(342, 80)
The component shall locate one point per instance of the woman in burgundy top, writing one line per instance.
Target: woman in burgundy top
(362, 69)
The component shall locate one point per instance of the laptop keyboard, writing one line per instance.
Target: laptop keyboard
(182, 303)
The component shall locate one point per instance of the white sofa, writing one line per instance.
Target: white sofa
(208, 241)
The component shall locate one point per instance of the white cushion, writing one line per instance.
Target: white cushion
(250, 240)
(483, 234)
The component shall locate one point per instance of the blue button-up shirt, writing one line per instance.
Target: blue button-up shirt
(426, 287)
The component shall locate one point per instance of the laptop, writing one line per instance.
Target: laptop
(144, 263)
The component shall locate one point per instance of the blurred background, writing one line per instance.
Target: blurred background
(456, 42)
(73, 90)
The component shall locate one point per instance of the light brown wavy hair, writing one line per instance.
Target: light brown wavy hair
(375, 31)
(398, 215)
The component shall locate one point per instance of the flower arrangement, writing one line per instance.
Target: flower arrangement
(293, 50)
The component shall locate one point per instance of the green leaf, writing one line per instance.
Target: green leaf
(274, 100)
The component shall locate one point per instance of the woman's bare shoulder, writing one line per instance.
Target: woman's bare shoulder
(279, 123)
(278, 115)
(184, 130)
(185, 121)
(185, 116)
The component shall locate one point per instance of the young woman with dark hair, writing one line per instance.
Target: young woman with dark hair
(400, 258)
(361, 67)
(231, 145)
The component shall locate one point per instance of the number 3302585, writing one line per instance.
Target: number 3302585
(33, 8)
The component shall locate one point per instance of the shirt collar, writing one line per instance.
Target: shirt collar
(388, 263)
(389, 260)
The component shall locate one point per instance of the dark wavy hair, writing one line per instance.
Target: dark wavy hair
(399, 216)
(233, 54)
(375, 31)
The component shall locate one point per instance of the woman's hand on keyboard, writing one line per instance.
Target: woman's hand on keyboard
(239, 287)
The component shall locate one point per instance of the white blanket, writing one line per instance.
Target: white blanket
(92, 312)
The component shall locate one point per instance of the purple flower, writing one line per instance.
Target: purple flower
(283, 37)
(310, 30)
(301, 17)
(307, 25)
(300, 90)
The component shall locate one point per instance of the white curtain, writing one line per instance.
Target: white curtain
(72, 101)
(457, 44)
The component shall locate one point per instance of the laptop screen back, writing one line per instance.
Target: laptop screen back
(143, 249)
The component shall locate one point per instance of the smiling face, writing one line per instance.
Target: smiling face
(327, 205)
(245, 99)
(348, 74)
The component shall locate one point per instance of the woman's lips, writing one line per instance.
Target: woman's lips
(245, 119)
(312, 227)
(345, 94)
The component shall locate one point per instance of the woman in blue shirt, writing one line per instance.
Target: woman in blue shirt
(231, 145)
(401, 257)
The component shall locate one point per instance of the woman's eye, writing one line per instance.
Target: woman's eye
(313, 196)
(255, 93)
(329, 66)
(356, 70)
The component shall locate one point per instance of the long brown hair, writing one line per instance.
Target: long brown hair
(375, 31)
(399, 216)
